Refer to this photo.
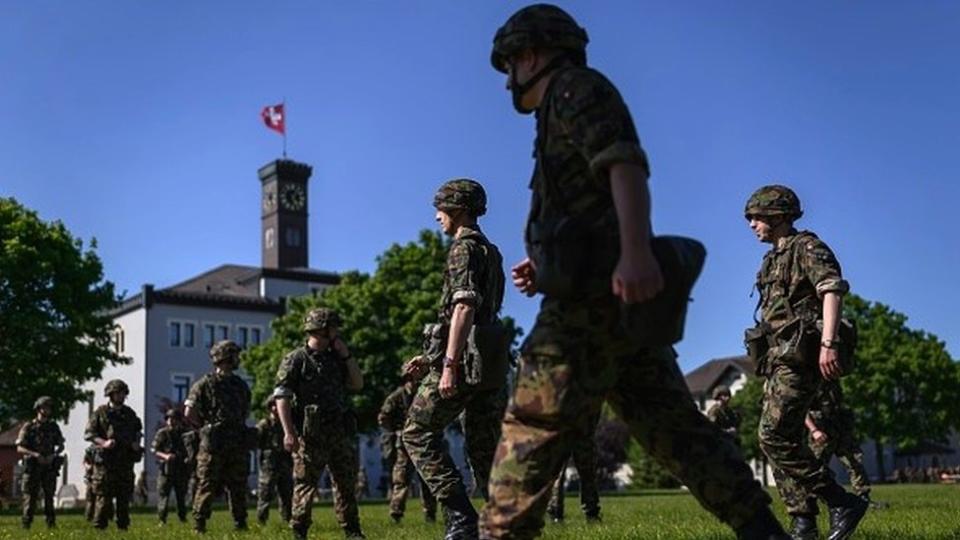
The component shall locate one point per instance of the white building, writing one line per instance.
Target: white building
(168, 332)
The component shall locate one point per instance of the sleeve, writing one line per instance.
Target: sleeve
(287, 375)
(94, 427)
(60, 441)
(23, 437)
(462, 271)
(386, 413)
(597, 122)
(195, 398)
(158, 441)
(821, 267)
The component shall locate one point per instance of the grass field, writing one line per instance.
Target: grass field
(914, 512)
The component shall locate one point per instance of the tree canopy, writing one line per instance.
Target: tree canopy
(55, 329)
(383, 319)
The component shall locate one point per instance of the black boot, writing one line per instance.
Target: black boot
(845, 518)
(199, 525)
(299, 532)
(461, 518)
(353, 533)
(804, 527)
(762, 526)
(240, 525)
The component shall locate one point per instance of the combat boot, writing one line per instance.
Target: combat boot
(240, 525)
(354, 533)
(845, 518)
(200, 526)
(762, 526)
(461, 518)
(804, 527)
(299, 532)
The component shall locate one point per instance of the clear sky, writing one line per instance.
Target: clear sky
(138, 123)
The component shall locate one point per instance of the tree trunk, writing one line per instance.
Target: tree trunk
(881, 469)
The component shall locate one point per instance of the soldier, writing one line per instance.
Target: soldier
(584, 457)
(89, 455)
(319, 426)
(392, 417)
(832, 433)
(590, 255)
(116, 430)
(721, 414)
(172, 471)
(40, 443)
(220, 402)
(469, 307)
(801, 288)
(276, 466)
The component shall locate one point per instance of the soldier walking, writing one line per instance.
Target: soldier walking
(220, 402)
(172, 471)
(470, 304)
(319, 425)
(584, 457)
(116, 430)
(392, 417)
(276, 466)
(801, 289)
(721, 414)
(40, 443)
(589, 246)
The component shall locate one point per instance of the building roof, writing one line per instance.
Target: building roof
(705, 377)
(228, 286)
(9, 437)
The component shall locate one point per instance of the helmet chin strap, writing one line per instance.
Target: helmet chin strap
(519, 90)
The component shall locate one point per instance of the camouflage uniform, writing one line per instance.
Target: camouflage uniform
(392, 417)
(276, 470)
(113, 478)
(89, 455)
(191, 443)
(723, 415)
(222, 402)
(473, 275)
(173, 474)
(43, 437)
(584, 457)
(579, 353)
(316, 383)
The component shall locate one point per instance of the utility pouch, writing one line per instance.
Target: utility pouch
(660, 320)
(757, 342)
(487, 356)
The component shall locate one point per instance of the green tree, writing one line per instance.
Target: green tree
(383, 319)
(904, 389)
(747, 404)
(55, 332)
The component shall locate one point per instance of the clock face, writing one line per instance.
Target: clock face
(269, 199)
(293, 197)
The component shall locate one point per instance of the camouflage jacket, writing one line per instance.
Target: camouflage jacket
(473, 274)
(220, 399)
(724, 417)
(794, 277)
(170, 440)
(583, 127)
(121, 424)
(89, 459)
(315, 379)
(393, 413)
(42, 437)
(270, 442)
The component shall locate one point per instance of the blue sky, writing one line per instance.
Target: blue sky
(138, 123)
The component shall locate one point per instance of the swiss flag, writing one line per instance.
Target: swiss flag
(273, 118)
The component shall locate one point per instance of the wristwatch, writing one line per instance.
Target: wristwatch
(449, 362)
(830, 344)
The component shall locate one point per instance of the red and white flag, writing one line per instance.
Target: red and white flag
(274, 119)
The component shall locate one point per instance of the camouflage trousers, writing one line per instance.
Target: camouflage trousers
(788, 393)
(90, 500)
(113, 487)
(40, 480)
(576, 356)
(403, 471)
(585, 460)
(177, 483)
(226, 468)
(275, 483)
(423, 434)
(334, 449)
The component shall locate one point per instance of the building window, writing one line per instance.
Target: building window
(181, 386)
(223, 332)
(208, 335)
(242, 334)
(255, 336)
(174, 334)
(119, 340)
(188, 334)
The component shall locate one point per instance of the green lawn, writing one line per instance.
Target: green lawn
(914, 512)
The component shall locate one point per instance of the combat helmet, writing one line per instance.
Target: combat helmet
(721, 390)
(225, 350)
(461, 194)
(773, 200)
(116, 385)
(321, 319)
(539, 26)
(43, 401)
(173, 412)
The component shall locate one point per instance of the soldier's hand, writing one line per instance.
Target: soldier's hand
(340, 348)
(290, 443)
(448, 381)
(818, 436)
(524, 275)
(637, 277)
(109, 443)
(416, 367)
(830, 364)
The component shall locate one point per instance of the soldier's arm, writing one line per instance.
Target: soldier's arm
(287, 382)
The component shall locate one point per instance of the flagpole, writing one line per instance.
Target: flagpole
(284, 103)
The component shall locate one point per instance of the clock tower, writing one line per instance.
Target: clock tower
(283, 207)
